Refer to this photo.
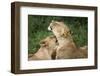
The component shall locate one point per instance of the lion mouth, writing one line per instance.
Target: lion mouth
(49, 28)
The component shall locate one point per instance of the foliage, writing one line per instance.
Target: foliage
(37, 29)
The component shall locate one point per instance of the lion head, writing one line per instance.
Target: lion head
(49, 41)
(59, 29)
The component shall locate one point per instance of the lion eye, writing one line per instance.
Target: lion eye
(42, 42)
(56, 41)
(55, 23)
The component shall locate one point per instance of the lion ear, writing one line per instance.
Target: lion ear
(71, 32)
(66, 33)
(52, 21)
(43, 43)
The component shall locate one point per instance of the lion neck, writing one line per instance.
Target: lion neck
(64, 40)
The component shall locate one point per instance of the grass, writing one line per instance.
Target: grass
(37, 29)
(34, 41)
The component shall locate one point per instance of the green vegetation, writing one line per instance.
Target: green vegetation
(37, 29)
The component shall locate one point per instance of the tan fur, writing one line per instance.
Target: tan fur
(48, 46)
(66, 48)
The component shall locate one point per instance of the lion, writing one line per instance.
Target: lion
(66, 49)
(47, 49)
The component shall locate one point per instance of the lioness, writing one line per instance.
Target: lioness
(66, 48)
(47, 49)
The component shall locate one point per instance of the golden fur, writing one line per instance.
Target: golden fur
(66, 48)
(47, 49)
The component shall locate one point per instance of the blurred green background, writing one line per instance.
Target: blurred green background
(37, 29)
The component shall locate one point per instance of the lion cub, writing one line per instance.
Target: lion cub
(47, 49)
(66, 48)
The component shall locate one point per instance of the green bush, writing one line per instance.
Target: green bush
(37, 29)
